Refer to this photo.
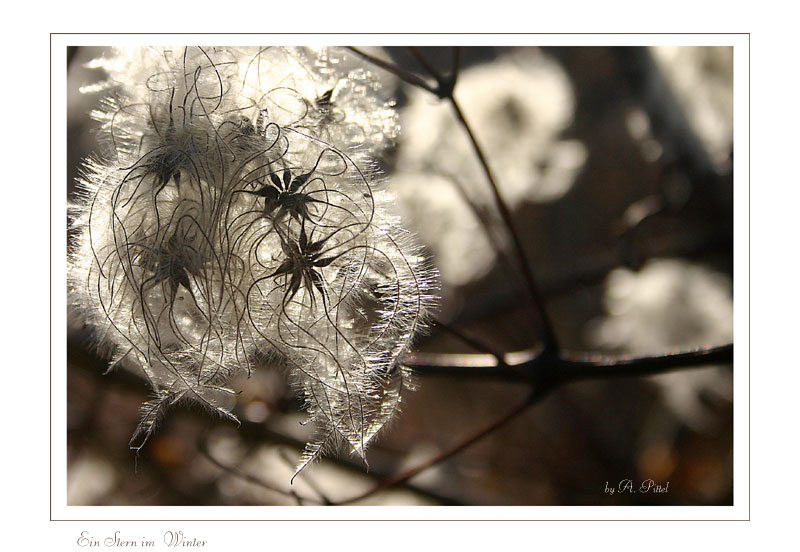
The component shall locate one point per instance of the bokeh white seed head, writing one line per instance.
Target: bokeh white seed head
(520, 104)
(671, 304)
(238, 213)
(702, 80)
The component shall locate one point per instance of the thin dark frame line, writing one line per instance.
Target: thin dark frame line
(51, 278)
(741, 34)
(749, 463)
(161, 33)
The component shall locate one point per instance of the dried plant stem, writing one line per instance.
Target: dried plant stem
(444, 90)
(308, 479)
(451, 451)
(203, 450)
(477, 344)
(549, 337)
(546, 373)
(407, 76)
(530, 366)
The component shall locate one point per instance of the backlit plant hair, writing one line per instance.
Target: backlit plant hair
(238, 214)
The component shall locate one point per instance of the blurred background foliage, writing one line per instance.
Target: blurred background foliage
(618, 166)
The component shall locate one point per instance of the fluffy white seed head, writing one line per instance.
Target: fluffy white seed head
(237, 213)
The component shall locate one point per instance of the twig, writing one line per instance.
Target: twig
(415, 51)
(453, 450)
(597, 367)
(308, 479)
(550, 341)
(473, 342)
(547, 372)
(590, 269)
(407, 76)
(533, 367)
(203, 450)
(80, 357)
(444, 89)
(456, 67)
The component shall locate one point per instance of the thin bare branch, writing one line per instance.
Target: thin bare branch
(533, 367)
(477, 344)
(456, 67)
(407, 76)
(599, 367)
(453, 450)
(549, 338)
(415, 51)
(546, 372)
(203, 450)
(445, 88)
(290, 462)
